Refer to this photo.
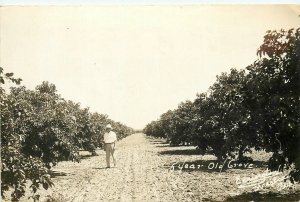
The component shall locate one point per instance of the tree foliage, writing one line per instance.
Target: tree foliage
(258, 107)
(274, 97)
(40, 129)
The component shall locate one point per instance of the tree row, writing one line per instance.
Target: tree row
(254, 108)
(39, 129)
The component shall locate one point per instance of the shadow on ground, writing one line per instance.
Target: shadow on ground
(255, 196)
(54, 174)
(216, 166)
(157, 141)
(164, 145)
(101, 168)
(87, 156)
(180, 152)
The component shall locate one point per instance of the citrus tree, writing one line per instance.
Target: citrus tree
(17, 167)
(254, 108)
(273, 97)
(40, 129)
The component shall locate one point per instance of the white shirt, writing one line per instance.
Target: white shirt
(110, 137)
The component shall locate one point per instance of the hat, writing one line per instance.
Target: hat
(108, 126)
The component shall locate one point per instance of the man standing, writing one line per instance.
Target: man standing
(110, 139)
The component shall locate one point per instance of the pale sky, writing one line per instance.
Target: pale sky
(134, 63)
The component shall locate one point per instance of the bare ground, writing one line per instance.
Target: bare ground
(144, 172)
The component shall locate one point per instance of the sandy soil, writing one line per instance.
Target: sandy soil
(144, 172)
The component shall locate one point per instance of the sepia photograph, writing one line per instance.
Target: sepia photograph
(150, 102)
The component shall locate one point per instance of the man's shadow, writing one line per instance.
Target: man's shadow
(100, 168)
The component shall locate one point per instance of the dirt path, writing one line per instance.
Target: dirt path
(137, 177)
(144, 173)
